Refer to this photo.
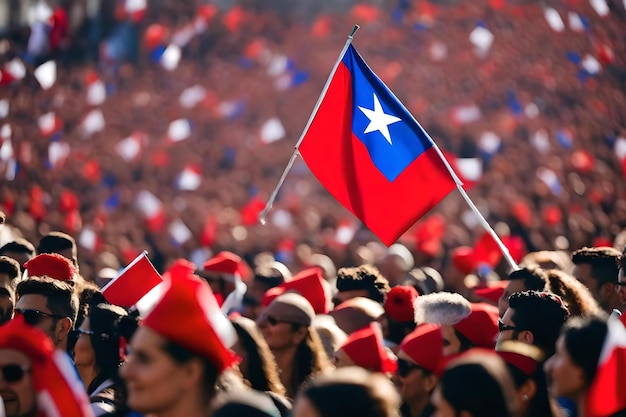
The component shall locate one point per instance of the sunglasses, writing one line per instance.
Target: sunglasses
(13, 372)
(502, 326)
(405, 367)
(34, 317)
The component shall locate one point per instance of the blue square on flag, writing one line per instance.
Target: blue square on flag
(392, 137)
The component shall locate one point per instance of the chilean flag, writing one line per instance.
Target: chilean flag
(370, 153)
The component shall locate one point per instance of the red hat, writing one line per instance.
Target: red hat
(399, 303)
(59, 391)
(52, 265)
(526, 364)
(187, 314)
(521, 355)
(424, 346)
(309, 283)
(481, 326)
(366, 349)
(492, 292)
(180, 267)
(224, 263)
(463, 259)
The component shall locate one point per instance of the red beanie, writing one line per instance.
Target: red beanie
(424, 346)
(187, 314)
(399, 303)
(226, 263)
(51, 265)
(365, 348)
(309, 283)
(492, 292)
(463, 259)
(481, 326)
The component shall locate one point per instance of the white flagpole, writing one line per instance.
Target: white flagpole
(481, 218)
(295, 154)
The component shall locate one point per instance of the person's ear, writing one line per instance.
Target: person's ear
(528, 390)
(430, 382)
(526, 336)
(62, 328)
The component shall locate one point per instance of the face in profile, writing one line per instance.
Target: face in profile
(84, 354)
(565, 378)
(155, 381)
(451, 343)
(16, 385)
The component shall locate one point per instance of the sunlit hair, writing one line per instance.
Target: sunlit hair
(604, 262)
(577, 297)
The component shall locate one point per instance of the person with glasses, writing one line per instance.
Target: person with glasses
(297, 348)
(36, 380)
(99, 351)
(50, 305)
(420, 359)
(534, 318)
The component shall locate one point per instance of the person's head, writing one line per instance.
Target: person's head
(535, 318)
(266, 276)
(365, 348)
(20, 249)
(249, 403)
(100, 335)
(7, 303)
(257, 363)
(597, 268)
(49, 304)
(621, 278)
(34, 378)
(420, 358)
(357, 313)
(52, 265)
(574, 294)
(347, 392)
(400, 312)
(10, 272)
(221, 273)
(524, 279)
(362, 281)
(524, 362)
(179, 350)
(445, 309)
(572, 368)
(61, 243)
(477, 384)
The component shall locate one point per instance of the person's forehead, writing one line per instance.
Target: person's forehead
(12, 356)
(33, 302)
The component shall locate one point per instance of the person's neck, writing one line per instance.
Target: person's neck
(285, 362)
(87, 374)
(580, 404)
(417, 406)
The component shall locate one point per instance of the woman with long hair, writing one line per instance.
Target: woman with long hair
(297, 349)
(257, 365)
(574, 366)
(99, 351)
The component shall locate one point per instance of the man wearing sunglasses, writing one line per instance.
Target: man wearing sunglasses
(50, 305)
(535, 318)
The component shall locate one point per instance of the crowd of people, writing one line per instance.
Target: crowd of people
(179, 156)
(204, 341)
(163, 126)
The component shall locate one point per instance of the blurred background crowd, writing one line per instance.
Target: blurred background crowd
(166, 124)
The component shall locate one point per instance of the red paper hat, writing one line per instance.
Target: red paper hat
(309, 283)
(59, 391)
(187, 314)
(481, 326)
(224, 263)
(463, 259)
(135, 281)
(52, 265)
(492, 292)
(424, 346)
(366, 349)
(399, 303)
(180, 267)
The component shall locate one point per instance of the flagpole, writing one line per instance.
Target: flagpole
(468, 200)
(270, 202)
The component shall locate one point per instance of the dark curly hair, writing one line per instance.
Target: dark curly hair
(364, 277)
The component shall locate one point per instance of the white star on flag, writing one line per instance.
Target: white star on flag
(379, 120)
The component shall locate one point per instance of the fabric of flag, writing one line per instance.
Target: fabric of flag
(369, 152)
(135, 281)
(607, 394)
